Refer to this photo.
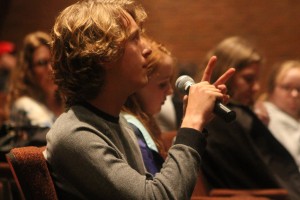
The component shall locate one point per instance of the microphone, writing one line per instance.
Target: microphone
(183, 84)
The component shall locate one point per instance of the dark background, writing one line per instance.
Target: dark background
(189, 28)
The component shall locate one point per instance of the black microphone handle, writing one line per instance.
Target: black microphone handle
(221, 110)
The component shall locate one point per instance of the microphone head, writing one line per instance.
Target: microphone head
(183, 83)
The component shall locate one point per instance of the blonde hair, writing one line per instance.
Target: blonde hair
(279, 71)
(133, 104)
(233, 52)
(86, 35)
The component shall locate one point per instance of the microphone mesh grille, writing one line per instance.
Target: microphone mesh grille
(183, 82)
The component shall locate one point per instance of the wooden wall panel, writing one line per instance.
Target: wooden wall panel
(188, 27)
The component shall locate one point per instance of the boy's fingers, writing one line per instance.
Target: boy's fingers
(209, 69)
(224, 78)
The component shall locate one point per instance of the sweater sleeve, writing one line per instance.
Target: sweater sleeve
(85, 165)
(193, 138)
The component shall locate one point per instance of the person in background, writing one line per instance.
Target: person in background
(141, 106)
(91, 150)
(34, 97)
(8, 61)
(33, 101)
(170, 116)
(7, 55)
(281, 107)
(244, 154)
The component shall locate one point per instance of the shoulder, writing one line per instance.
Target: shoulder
(271, 107)
(73, 135)
(27, 109)
(29, 104)
(24, 100)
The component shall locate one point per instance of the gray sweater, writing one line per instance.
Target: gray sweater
(92, 155)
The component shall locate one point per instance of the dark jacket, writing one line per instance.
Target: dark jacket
(245, 155)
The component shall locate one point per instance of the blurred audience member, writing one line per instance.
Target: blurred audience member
(33, 101)
(34, 97)
(281, 107)
(141, 107)
(7, 64)
(244, 154)
(7, 55)
(170, 116)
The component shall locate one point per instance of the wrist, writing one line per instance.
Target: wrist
(193, 122)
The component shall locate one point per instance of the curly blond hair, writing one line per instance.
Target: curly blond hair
(86, 35)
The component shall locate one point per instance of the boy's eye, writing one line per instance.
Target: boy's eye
(135, 36)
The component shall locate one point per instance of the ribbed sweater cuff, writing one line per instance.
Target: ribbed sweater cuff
(192, 138)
